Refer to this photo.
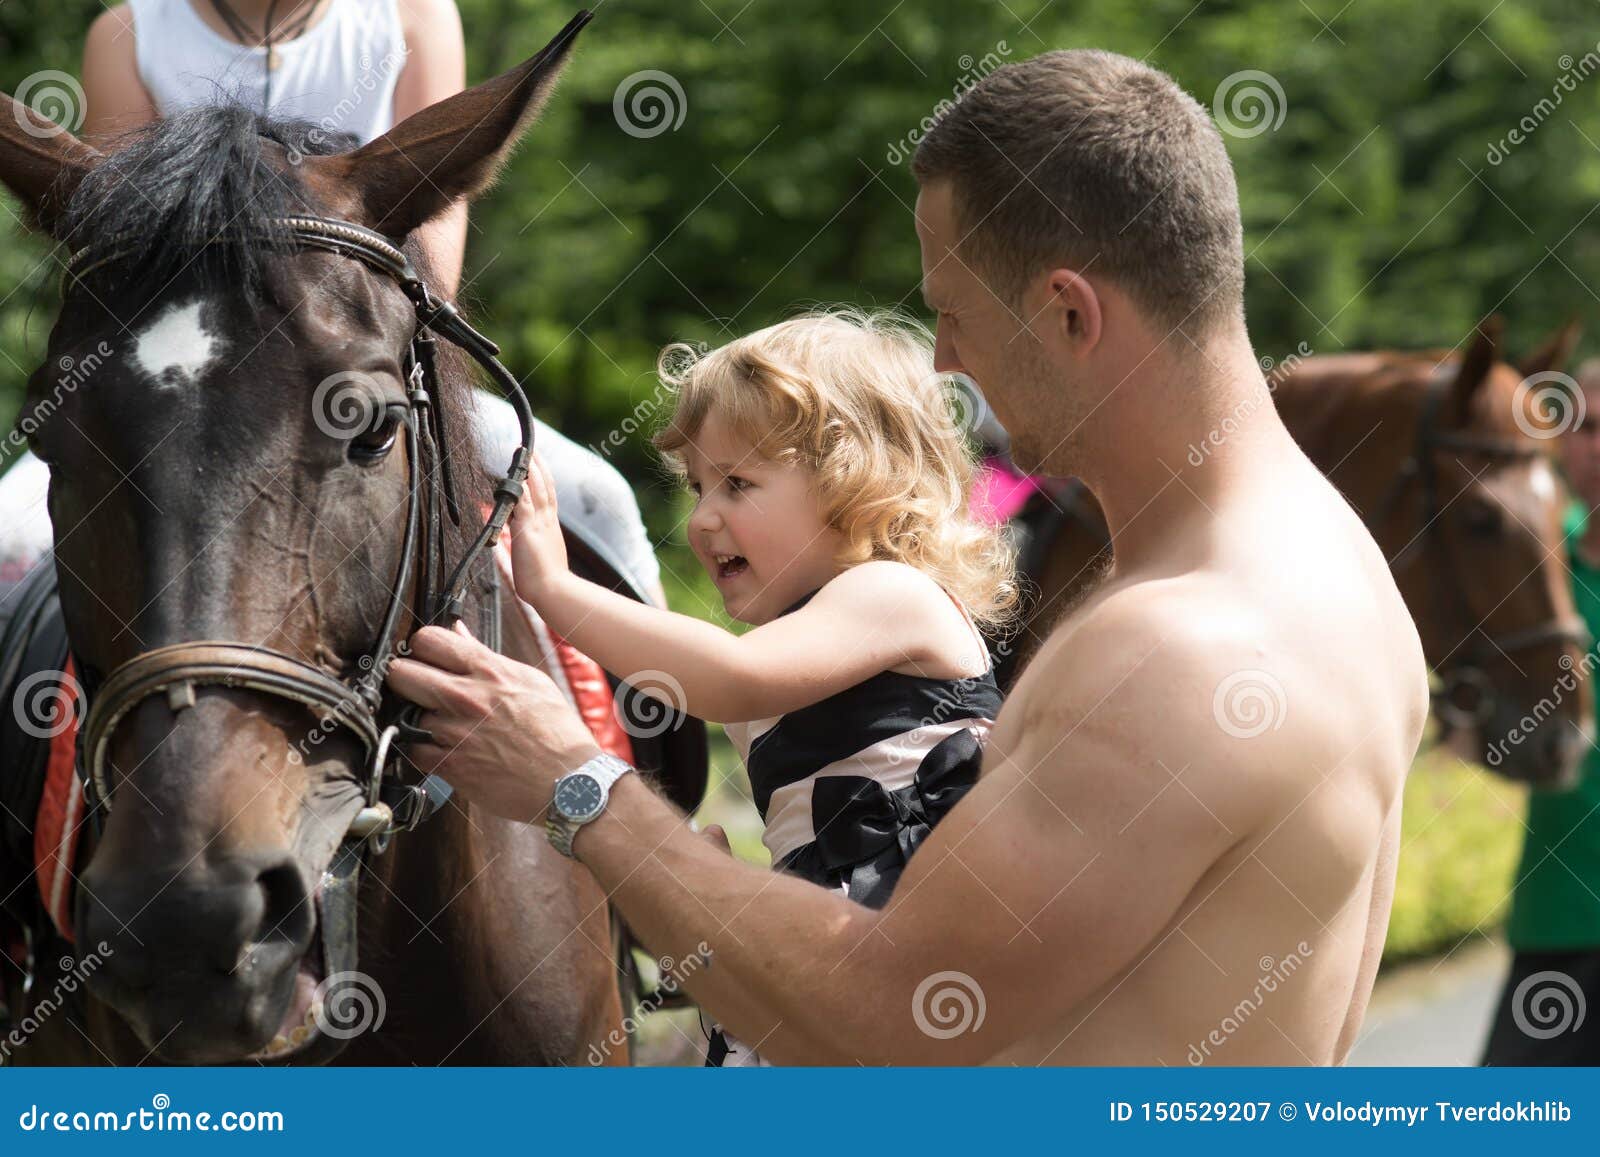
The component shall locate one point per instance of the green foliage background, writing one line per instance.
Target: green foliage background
(1373, 214)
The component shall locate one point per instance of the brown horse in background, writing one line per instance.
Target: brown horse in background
(198, 491)
(1442, 456)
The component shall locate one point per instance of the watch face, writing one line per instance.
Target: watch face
(579, 796)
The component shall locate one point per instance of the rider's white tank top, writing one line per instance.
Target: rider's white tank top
(340, 74)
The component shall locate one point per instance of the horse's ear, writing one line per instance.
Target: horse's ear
(41, 162)
(1475, 365)
(1554, 352)
(447, 152)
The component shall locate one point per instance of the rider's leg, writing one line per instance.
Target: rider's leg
(25, 535)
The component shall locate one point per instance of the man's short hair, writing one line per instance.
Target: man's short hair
(1093, 161)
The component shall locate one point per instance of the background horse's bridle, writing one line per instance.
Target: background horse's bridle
(1466, 673)
(354, 704)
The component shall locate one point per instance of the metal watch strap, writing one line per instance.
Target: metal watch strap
(606, 769)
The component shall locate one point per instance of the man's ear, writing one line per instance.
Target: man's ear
(1075, 308)
(447, 152)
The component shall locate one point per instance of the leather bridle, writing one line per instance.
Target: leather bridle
(1421, 468)
(351, 704)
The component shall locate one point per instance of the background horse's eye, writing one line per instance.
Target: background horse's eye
(1482, 521)
(372, 445)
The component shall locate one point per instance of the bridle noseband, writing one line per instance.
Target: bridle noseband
(1421, 468)
(350, 704)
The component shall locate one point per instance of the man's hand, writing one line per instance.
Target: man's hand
(503, 732)
(538, 550)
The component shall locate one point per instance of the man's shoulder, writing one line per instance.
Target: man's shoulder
(1189, 622)
(1179, 667)
(1156, 699)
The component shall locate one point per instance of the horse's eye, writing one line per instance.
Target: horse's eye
(373, 444)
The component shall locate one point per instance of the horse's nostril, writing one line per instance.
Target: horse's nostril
(286, 914)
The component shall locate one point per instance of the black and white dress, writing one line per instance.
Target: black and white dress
(850, 786)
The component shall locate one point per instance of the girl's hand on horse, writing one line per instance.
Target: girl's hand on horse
(538, 551)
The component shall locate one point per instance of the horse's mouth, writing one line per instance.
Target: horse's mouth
(302, 1020)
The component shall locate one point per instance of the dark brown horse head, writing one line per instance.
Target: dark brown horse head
(226, 466)
(1449, 457)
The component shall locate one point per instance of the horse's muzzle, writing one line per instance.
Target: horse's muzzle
(203, 960)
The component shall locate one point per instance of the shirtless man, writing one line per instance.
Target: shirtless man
(1183, 844)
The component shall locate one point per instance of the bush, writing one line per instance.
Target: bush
(1460, 840)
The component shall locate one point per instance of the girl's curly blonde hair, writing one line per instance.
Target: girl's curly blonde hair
(853, 397)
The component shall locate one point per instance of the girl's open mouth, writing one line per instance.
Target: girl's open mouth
(729, 565)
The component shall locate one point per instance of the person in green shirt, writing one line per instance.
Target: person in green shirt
(1550, 1010)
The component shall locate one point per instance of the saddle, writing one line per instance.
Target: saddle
(33, 642)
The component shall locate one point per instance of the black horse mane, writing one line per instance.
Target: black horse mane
(196, 195)
(196, 191)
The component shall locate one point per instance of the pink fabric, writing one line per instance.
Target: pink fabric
(999, 492)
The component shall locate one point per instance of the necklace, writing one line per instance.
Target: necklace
(270, 37)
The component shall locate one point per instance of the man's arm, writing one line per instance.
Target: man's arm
(436, 68)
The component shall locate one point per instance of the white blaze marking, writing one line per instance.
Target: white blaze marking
(175, 348)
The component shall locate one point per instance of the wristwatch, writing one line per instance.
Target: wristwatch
(580, 797)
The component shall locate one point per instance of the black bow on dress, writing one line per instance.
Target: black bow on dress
(866, 834)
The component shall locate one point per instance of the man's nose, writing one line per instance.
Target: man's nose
(945, 359)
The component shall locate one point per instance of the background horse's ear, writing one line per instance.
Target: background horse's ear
(1554, 352)
(41, 162)
(446, 152)
(1475, 365)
